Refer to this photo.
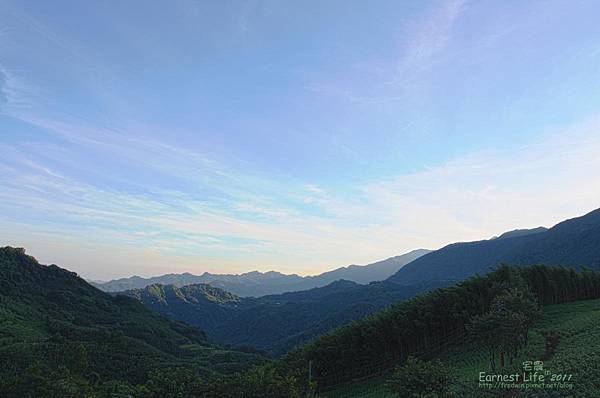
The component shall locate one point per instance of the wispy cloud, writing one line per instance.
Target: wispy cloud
(472, 197)
(115, 171)
(402, 75)
(427, 39)
(15, 93)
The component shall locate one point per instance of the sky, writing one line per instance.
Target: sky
(145, 137)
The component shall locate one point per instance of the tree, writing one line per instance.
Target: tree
(505, 328)
(420, 379)
(259, 382)
(485, 329)
(177, 382)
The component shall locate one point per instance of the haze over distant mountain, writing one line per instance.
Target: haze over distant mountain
(276, 323)
(363, 274)
(573, 243)
(255, 284)
(248, 284)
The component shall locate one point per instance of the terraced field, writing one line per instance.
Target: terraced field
(577, 353)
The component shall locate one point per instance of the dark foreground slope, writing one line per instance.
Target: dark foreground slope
(273, 323)
(57, 333)
(573, 243)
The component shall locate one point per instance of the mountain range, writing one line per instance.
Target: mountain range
(255, 284)
(572, 243)
(59, 332)
(274, 323)
(277, 323)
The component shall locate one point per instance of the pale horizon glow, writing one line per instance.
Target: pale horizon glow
(227, 137)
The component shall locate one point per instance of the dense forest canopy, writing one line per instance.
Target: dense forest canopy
(426, 324)
(59, 336)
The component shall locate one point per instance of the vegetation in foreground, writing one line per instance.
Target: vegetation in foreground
(60, 337)
(430, 324)
(577, 353)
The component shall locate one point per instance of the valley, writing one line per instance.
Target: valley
(299, 199)
(275, 324)
(342, 339)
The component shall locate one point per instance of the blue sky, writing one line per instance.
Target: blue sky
(152, 137)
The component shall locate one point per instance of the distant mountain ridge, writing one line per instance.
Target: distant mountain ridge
(277, 323)
(247, 284)
(572, 243)
(521, 232)
(256, 284)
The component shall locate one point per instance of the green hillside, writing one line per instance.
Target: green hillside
(497, 310)
(577, 353)
(59, 336)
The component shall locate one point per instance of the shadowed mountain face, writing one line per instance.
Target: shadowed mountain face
(364, 274)
(573, 243)
(274, 323)
(255, 284)
(201, 305)
(521, 232)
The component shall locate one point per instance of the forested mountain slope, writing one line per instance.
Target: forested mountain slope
(426, 324)
(56, 328)
(274, 323)
(201, 305)
(573, 243)
(575, 354)
(277, 323)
